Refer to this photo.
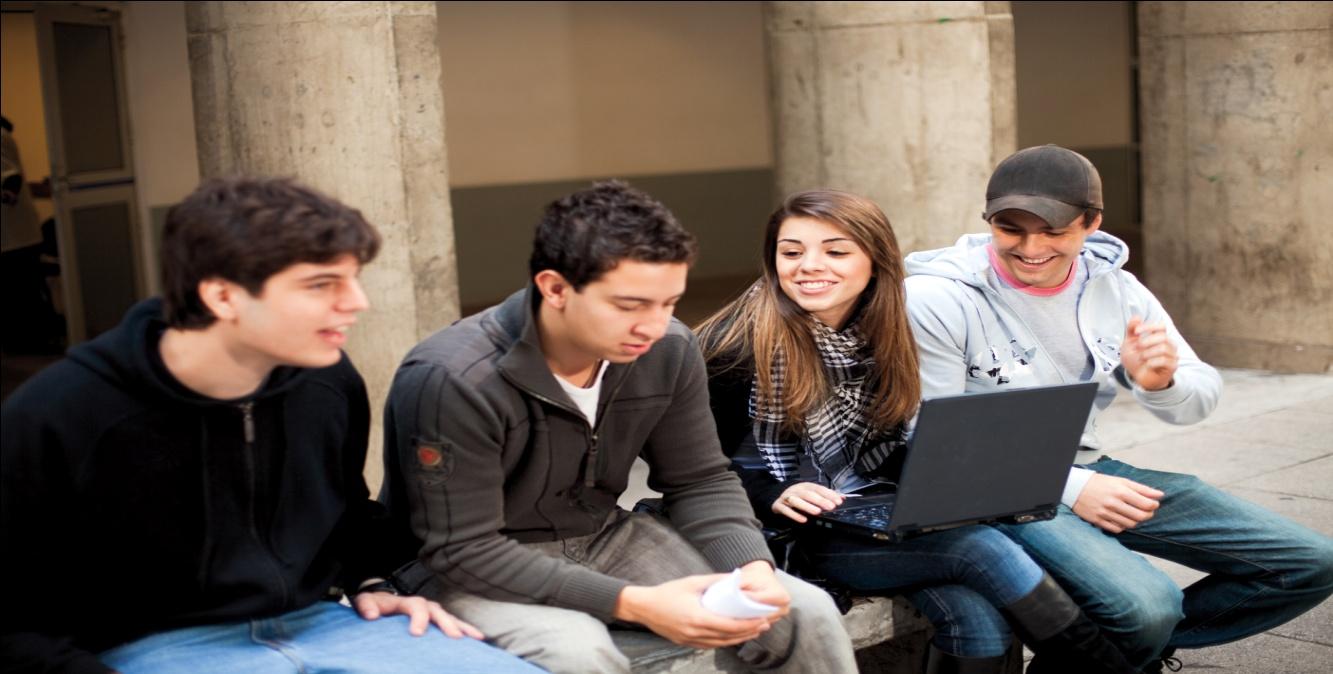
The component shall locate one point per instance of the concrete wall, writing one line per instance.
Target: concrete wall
(347, 98)
(1075, 66)
(157, 85)
(543, 97)
(1238, 177)
(1075, 87)
(543, 91)
(910, 104)
(726, 210)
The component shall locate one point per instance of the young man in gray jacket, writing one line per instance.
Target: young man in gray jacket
(1043, 299)
(510, 435)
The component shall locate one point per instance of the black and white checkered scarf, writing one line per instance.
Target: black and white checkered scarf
(838, 439)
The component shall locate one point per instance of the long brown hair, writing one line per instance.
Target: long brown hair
(764, 322)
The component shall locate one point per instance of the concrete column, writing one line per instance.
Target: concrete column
(1236, 99)
(346, 97)
(909, 103)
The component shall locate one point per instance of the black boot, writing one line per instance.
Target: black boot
(1060, 636)
(939, 662)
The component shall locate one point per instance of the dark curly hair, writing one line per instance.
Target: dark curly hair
(587, 233)
(245, 230)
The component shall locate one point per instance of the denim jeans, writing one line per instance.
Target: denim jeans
(324, 637)
(958, 578)
(1263, 569)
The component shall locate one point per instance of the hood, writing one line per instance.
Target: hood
(967, 261)
(124, 355)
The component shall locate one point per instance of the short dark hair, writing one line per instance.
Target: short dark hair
(245, 230)
(1090, 214)
(587, 233)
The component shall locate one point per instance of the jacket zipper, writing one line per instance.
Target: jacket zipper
(248, 427)
(593, 453)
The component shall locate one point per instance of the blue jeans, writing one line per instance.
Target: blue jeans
(958, 578)
(1264, 570)
(323, 637)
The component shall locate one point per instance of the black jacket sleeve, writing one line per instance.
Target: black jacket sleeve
(33, 529)
(368, 545)
(729, 386)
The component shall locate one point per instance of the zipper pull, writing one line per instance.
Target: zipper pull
(590, 474)
(247, 409)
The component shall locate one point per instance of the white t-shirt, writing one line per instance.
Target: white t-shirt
(586, 398)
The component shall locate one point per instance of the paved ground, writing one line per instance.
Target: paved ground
(1269, 441)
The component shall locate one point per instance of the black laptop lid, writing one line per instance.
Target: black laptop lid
(985, 456)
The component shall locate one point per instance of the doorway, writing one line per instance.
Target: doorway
(64, 93)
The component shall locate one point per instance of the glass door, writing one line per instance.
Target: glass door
(92, 172)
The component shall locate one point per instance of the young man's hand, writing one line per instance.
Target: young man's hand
(673, 611)
(760, 583)
(1115, 504)
(420, 611)
(1148, 355)
(806, 498)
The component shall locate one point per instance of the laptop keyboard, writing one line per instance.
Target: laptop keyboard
(874, 515)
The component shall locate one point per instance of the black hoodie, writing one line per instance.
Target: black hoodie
(132, 505)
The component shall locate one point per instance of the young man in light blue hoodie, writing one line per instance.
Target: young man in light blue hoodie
(1042, 300)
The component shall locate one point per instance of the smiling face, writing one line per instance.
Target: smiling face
(821, 268)
(300, 317)
(1034, 252)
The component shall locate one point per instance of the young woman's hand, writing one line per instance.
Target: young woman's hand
(805, 498)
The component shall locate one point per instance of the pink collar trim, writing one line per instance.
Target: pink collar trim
(1023, 287)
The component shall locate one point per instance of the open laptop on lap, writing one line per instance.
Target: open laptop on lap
(974, 458)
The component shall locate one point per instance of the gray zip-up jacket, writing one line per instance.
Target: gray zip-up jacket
(487, 452)
(969, 339)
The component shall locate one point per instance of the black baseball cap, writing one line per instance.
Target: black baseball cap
(1048, 181)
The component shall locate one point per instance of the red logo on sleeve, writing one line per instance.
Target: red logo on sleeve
(430, 457)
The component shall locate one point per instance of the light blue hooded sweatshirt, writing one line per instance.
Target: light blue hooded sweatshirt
(970, 340)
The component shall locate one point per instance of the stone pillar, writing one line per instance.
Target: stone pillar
(1236, 99)
(346, 97)
(909, 103)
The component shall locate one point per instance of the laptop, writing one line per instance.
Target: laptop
(976, 458)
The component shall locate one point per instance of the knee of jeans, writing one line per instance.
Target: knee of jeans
(988, 552)
(965, 624)
(986, 545)
(575, 643)
(973, 636)
(1146, 614)
(1316, 573)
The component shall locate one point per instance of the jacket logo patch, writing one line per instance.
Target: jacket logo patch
(1110, 354)
(1002, 365)
(430, 458)
(434, 462)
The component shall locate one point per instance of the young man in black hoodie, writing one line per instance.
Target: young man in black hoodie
(184, 492)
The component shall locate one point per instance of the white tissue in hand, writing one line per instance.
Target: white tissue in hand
(725, 598)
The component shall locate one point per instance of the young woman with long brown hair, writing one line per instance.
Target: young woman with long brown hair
(814, 380)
